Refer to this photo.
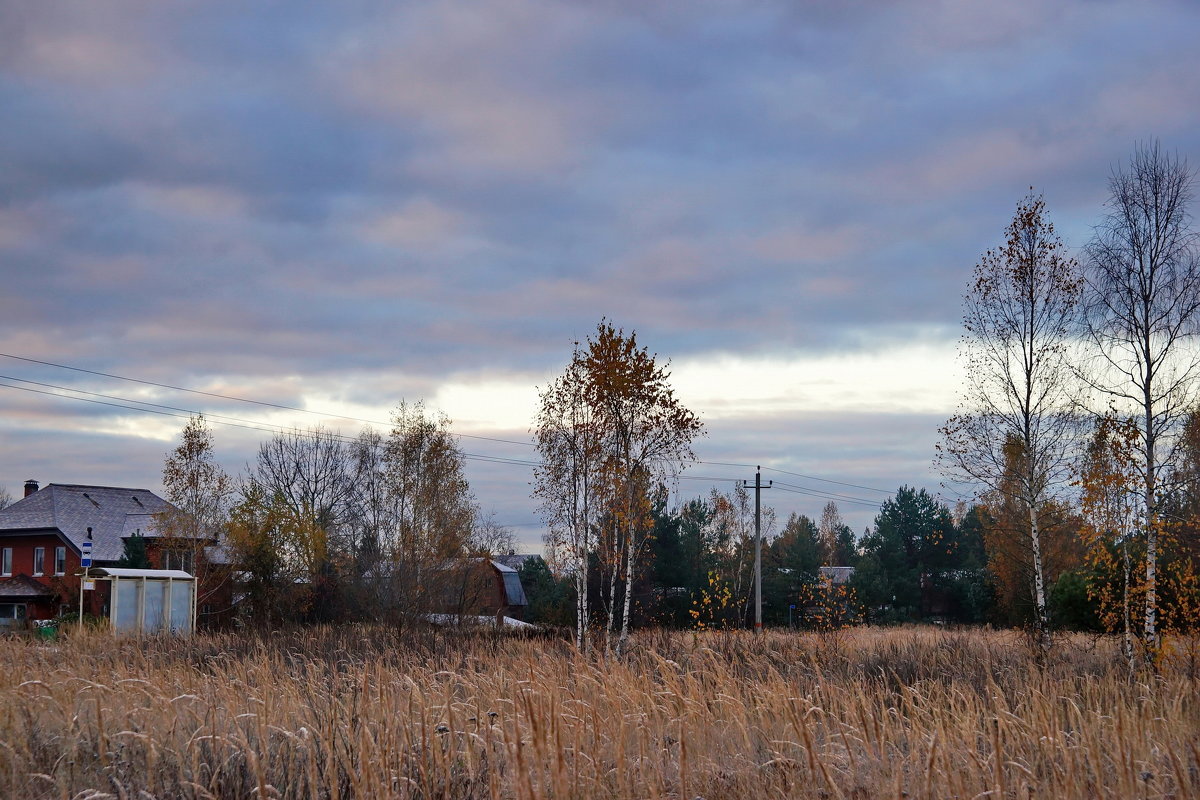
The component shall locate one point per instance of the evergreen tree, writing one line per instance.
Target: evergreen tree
(912, 546)
(133, 554)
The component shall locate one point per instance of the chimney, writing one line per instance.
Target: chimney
(31, 486)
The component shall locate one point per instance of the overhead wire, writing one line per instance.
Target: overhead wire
(130, 404)
(807, 493)
(827, 480)
(234, 398)
(234, 422)
(835, 495)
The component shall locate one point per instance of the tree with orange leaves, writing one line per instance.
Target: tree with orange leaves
(1111, 520)
(609, 431)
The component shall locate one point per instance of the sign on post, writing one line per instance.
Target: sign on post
(85, 559)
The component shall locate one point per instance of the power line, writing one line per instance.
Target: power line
(233, 397)
(827, 480)
(183, 413)
(827, 497)
(229, 421)
(209, 415)
(797, 475)
(787, 487)
(836, 495)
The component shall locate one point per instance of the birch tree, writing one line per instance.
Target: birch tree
(1108, 476)
(1143, 295)
(1013, 433)
(649, 435)
(608, 431)
(831, 525)
(733, 523)
(565, 481)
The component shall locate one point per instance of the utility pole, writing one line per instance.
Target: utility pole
(758, 487)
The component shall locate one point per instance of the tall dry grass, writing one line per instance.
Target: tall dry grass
(366, 713)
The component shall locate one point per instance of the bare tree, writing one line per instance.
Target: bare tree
(831, 525)
(307, 477)
(370, 515)
(6, 498)
(1015, 428)
(490, 537)
(1143, 294)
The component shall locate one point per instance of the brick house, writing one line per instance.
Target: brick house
(41, 541)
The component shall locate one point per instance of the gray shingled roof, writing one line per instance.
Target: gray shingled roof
(21, 587)
(110, 511)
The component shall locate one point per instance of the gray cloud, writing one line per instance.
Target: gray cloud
(216, 194)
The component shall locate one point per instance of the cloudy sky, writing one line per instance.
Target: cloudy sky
(335, 207)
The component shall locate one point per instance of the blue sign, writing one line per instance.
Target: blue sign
(85, 559)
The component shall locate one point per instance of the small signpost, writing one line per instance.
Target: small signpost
(85, 561)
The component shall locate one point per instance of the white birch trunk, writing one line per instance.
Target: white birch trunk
(1039, 582)
(630, 558)
(1151, 627)
(611, 625)
(1127, 645)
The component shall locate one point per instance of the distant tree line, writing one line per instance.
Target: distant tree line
(1078, 431)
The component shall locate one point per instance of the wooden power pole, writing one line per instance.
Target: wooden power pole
(758, 487)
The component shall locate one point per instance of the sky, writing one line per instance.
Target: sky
(334, 207)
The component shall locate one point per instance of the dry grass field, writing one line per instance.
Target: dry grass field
(365, 713)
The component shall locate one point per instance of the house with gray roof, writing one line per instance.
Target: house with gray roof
(43, 536)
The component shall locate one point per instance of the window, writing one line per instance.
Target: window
(178, 559)
(39, 560)
(6, 559)
(11, 614)
(60, 561)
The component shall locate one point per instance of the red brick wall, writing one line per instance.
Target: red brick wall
(215, 591)
(66, 586)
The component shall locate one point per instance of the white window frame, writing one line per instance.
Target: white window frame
(60, 561)
(6, 562)
(39, 561)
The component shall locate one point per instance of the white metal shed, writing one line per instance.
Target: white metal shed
(149, 600)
